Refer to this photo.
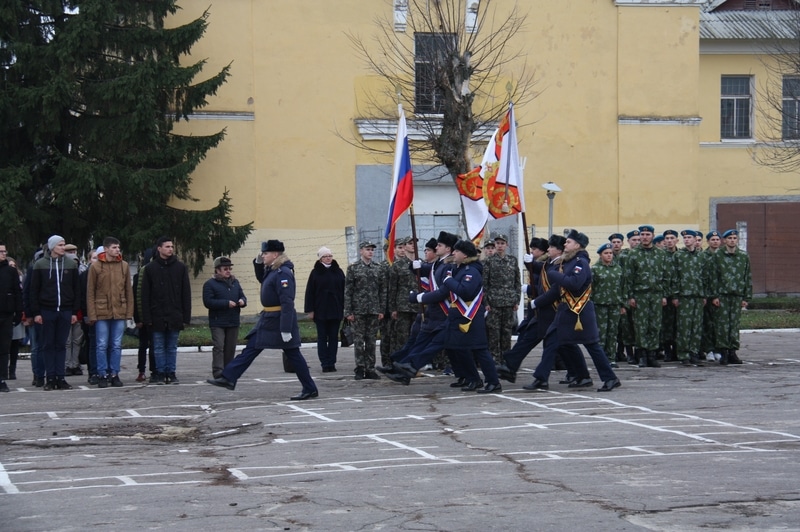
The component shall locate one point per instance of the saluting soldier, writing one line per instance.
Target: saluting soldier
(503, 285)
(732, 292)
(364, 307)
(647, 288)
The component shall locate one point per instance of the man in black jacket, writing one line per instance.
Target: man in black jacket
(166, 305)
(10, 311)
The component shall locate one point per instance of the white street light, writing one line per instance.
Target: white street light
(551, 189)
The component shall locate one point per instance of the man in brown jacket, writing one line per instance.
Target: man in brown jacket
(109, 301)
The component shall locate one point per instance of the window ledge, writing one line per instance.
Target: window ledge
(381, 129)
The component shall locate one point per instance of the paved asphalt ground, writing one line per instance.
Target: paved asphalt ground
(673, 449)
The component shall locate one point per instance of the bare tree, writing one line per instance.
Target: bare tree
(779, 95)
(454, 55)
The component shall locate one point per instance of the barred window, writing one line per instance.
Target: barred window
(430, 61)
(736, 107)
(791, 108)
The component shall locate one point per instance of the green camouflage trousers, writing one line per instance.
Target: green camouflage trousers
(626, 335)
(728, 315)
(365, 336)
(608, 319)
(399, 331)
(500, 323)
(385, 326)
(709, 341)
(690, 326)
(647, 317)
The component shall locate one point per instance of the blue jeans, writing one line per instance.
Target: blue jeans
(165, 350)
(37, 362)
(108, 341)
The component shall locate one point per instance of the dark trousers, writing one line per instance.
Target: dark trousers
(527, 339)
(54, 330)
(573, 358)
(327, 341)
(91, 364)
(224, 349)
(6, 331)
(467, 358)
(239, 365)
(145, 350)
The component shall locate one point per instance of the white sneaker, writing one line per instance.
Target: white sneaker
(710, 356)
(717, 356)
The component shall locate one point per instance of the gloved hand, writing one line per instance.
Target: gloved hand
(533, 303)
(412, 297)
(524, 289)
(286, 336)
(527, 258)
(416, 264)
(419, 298)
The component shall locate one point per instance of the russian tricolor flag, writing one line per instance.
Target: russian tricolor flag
(402, 195)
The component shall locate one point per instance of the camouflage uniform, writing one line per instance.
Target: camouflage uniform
(626, 336)
(709, 338)
(669, 316)
(732, 285)
(689, 285)
(608, 300)
(386, 323)
(402, 280)
(502, 285)
(364, 298)
(647, 282)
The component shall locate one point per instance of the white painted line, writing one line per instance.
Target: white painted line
(312, 414)
(403, 446)
(133, 413)
(5, 481)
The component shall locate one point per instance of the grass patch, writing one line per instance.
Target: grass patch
(770, 319)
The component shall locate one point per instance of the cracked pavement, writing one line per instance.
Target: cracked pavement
(673, 449)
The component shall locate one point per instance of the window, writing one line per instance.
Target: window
(735, 107)
(791, 108)
(758, 4)
(430, 59)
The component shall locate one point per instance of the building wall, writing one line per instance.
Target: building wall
(625, 121)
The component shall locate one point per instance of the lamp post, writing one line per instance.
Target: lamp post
(551, 189)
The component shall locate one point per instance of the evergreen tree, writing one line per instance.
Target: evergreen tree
(90, 93)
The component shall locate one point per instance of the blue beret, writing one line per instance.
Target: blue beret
(672, 232)
(698, 234)
(688, 232)
(635, 232)
(711, 233)
(603, 248)
(612, 236)
(658, 238)
(730, 232)
(647, 228)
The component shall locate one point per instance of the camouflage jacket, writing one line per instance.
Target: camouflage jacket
(607, 284)
(690, 274)
(501, 281)
(364, 289)
(731, 276)
(646, 270)
(402, 280)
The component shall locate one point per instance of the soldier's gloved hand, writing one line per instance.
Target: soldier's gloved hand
(416, 264)
(286, 336)
(412, 297)
(524, 289)
(527, 258)
(533, 303)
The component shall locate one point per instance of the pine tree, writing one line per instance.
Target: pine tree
(91, 92)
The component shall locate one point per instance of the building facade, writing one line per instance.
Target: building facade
(646, 111)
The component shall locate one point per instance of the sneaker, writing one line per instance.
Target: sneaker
(156, 378)
(172, 379)
(717, 356)
(711, 357)
(115, 382)
(94, 379)
(50, 384)
(38, 382)
(62, 384)
(4, 387)
(141, 378)
(447, 371)
(77, 371)
(102, 382)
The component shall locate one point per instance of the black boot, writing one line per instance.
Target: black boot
(51, 384)
(641, 354)
(652, 361)
(733, 358)
(620, 353)
(724, 360)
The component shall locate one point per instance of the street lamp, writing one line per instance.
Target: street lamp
(551, 189)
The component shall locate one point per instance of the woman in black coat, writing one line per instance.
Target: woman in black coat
(324, 303)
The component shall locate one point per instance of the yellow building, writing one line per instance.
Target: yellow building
(646, 111)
